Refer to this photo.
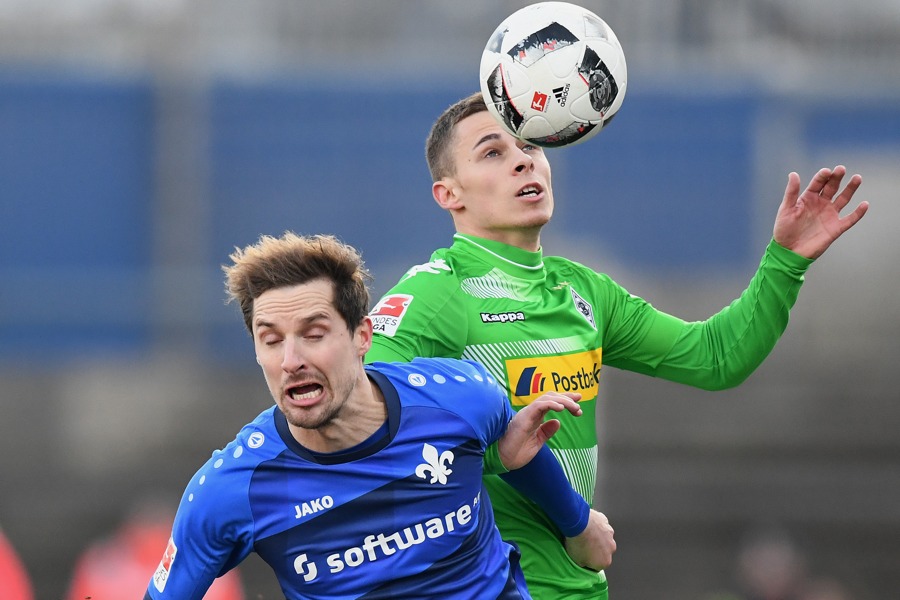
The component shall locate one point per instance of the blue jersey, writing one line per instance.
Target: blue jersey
(402, 515)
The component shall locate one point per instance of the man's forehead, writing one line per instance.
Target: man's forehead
(471, 130)
(302, 301)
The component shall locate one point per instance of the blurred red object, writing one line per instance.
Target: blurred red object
(14, 581)
(121, 566)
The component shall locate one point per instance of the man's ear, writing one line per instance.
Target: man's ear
(444, 192)
(364, 333)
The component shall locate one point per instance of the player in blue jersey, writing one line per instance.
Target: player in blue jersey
(362, 482)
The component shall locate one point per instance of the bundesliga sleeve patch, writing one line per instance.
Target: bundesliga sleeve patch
(165, 566)
(388, 313)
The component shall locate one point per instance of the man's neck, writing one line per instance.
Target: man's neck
(529, 240)
(360, 418)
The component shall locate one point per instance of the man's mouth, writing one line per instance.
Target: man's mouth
(529, 191)
(304, 392)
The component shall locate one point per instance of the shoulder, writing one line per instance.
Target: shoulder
(576, 272)
(446, 267)
(560, 264)
(457, 385)
(458, 369)
(437, 376)
(419, 307)
(229, 470)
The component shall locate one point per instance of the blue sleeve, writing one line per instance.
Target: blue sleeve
(543, 482)
(210, 534)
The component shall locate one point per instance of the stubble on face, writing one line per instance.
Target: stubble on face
(311, 361)
(325, 412)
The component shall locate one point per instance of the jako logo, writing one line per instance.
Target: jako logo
(528, 378)
(313, 506)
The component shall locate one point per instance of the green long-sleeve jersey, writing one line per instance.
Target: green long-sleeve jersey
(542, 324)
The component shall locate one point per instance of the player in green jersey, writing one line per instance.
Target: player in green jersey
(541, 323)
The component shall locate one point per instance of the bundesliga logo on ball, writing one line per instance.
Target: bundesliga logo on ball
(553, 74)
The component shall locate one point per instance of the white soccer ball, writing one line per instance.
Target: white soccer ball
(553, 74)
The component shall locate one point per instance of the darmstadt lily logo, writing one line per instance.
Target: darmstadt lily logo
(438, 466)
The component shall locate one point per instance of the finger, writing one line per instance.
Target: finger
(853, 218)
(564, 400)
(833, 183)
(819, 181)
(569, 404)
(844, 198)
(791, 190)
(575, 409)
(558, 395)
(548, 429)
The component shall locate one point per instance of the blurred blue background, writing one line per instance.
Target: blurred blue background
(142, 140)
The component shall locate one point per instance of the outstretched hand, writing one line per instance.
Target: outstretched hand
(810, 222)
(528, 432)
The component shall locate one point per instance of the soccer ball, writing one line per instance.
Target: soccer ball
(553, 74)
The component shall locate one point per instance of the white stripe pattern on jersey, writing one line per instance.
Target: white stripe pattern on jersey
(493, 355)
(580, 466)
(495, 284)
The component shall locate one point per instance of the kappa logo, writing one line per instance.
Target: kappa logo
(437, 465)
(508, 317)
(434, 267)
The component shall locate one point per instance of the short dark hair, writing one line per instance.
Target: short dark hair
(293, 259)
(437, 145)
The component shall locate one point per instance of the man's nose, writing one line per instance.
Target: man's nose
(524, 162)
(293, 360)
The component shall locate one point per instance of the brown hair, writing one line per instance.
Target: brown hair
(437, 145)
(293, 259)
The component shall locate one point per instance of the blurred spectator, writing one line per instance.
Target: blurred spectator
(770, 566)
(14, 581)
(825, 589)
(121, 565)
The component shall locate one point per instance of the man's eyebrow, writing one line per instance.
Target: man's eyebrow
(263, 323)
(488, 137)
(320, 316)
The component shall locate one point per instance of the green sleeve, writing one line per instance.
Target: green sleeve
(433, 323)
(492, 463)
(722, 351)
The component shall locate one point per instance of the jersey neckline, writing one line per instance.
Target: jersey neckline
(378, 440)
